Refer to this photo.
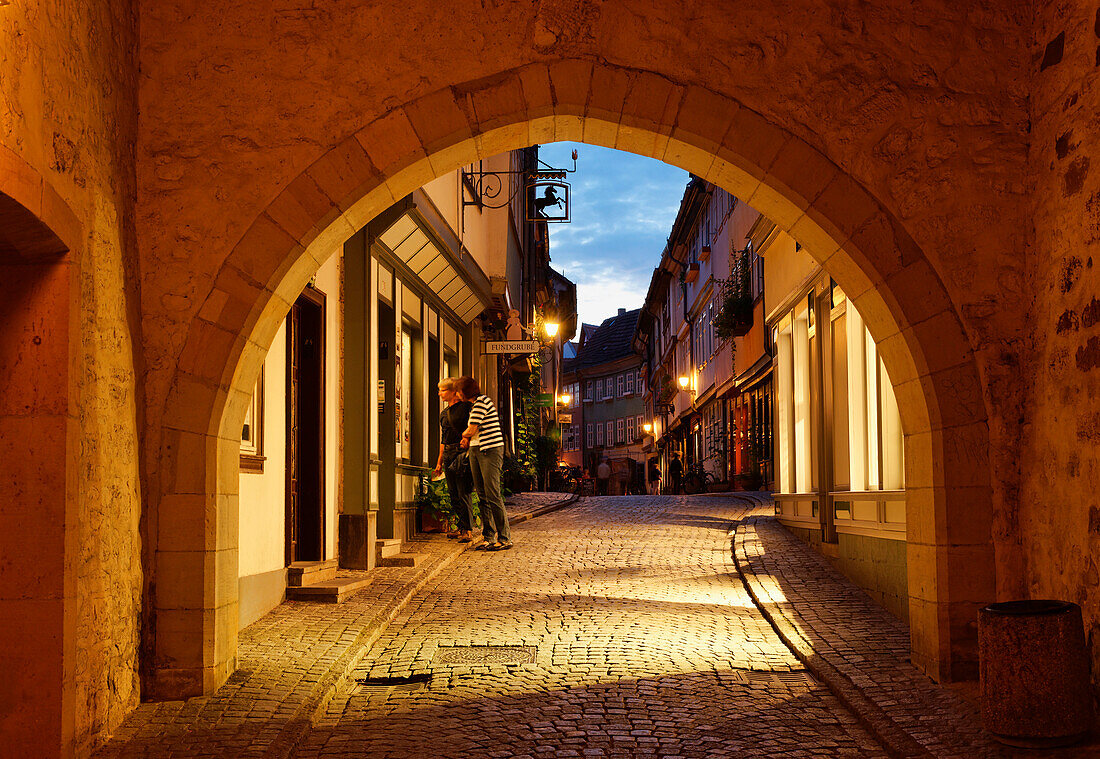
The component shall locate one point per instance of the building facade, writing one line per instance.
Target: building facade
(606, 404)
(343, 423)
(702, 340)
(839, 453)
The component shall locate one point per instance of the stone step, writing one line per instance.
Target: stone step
(403, 560)
(386, 548)
(334, 591)
(310, 572)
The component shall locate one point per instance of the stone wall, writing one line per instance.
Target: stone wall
(1059, 513)
(68, 109)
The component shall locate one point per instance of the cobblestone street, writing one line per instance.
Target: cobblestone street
(616, 626)
(642, 640)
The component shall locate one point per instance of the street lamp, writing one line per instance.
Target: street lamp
(564, 399)
(648, 427)
(551, 329)
(684, 382)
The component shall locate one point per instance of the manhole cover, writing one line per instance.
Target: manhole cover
(453, 655)
(385, 684)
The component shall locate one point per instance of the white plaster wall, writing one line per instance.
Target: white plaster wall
(263, 495)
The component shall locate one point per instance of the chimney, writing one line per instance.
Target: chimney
(622, 311)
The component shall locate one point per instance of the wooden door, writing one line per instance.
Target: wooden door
(305, 415)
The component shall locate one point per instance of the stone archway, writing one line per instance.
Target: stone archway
(884, 271)
(40, 240)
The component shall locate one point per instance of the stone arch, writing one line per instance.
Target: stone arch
(906, 307)
(40, 244)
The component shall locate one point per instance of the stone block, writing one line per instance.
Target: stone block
(925, 565)
(185, 459)
(303, 206)
(262, 253)
(571, 83)
(538, 93)
(901, 367)
(340, 174)
(970, 580)
(206, 352)
(641, 141)
(842, 207)
(688, 157)
(651, 104)
(182, 638)
(921, 503)
(966, 458)
(853, 277)
(773, 204)
(452, 157)
(818, 242)
(186, 522)
(391, 143)
(944, 341)
(610, 87)
(799, 171)
(192, 404)
(37, 717)
(753, 138)
(704, 119)
(438, 121)
(881, 321)
(923, 459)
(502, 139)
(185, 579)
(493, 102)
(600, 132)
(231, 302)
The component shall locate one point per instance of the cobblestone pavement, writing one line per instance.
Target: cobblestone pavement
(862, 651)
(639, 636)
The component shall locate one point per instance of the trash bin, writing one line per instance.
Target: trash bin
(1034, 673)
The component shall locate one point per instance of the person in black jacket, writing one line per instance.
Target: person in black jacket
(453, 419)
(676, 473)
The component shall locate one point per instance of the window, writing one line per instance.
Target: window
(630, 429)
(589, 391)
(252, 433)
(620, 385)
(591, 436)
(599, 434)
(630, 383)
(610, 434)
(640, 385)
(599, 389)
(640, 424)
(619, 431)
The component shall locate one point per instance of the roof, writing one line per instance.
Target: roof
(612, 340)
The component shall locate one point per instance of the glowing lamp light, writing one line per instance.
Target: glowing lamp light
(551, 328)
(647, 427)
(564, 399)
(684, 382)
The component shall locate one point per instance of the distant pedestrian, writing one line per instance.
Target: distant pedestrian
(603, 476)
(453, 419)
(676, 474)
(486, 443)
(654, 476)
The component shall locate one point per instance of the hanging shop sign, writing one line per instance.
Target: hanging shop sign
(548, 197)
(565, 418)
(511, 346)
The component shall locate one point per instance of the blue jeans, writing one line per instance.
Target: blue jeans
(485, 467)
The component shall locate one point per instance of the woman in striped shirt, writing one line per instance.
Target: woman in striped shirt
(486, 443)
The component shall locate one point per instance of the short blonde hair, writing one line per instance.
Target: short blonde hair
(447, 383)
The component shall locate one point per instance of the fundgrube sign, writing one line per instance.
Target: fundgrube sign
(511, 346)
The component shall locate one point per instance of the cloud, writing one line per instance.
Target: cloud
(622, 209)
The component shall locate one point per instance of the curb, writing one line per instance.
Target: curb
(896, 741)
(291, 735)
(538, 512)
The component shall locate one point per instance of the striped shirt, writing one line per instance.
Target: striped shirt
(484, 415)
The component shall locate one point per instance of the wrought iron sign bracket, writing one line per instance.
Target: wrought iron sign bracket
(484, 189)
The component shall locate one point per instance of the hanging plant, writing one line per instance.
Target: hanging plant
(734, 318)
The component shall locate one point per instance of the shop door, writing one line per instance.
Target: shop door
(305, 439)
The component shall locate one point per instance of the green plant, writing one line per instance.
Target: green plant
(734, 318)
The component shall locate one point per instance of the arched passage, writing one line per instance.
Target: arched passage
(39, 249)
(884, 271)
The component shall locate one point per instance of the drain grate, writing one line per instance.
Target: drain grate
(385, 684)
(456, 655)
(775, 677)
